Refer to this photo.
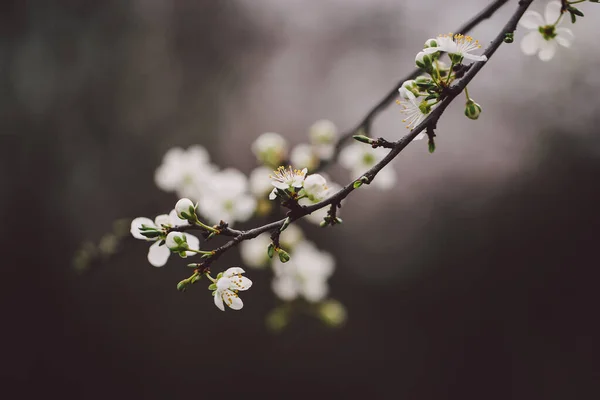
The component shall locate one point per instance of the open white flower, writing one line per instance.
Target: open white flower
(358, 158)
(159, 254)
(287, 179)
(457, 45)
(184, 171)
(304, 275)
(545, 34)
(270, 149)
(227, 198)
(227, 289)
(416, 111)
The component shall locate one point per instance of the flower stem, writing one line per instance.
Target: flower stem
(201, 252)
(208, 228)
(467, 93)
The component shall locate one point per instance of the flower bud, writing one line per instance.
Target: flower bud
(185, 209)
(472, 109)
(431, 43)
(315, 187)
(270, 149)
(407, 90)
(423, 61)
(176, 241)
(284, 256)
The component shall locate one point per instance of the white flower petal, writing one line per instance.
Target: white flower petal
(234, 302)
(531, 42)
(314, 290)
(233, 271)
(175, 220)
(474, 57)
(219, 301)
(158, 255)
(552, 12)
(193, 243)
(385, 179)
(564, 37)
(137, 223)
(420, 136)
(547, 50)
(273, 194)
(532, 20)
(162, 219)
(285, 288)
(280, 185)
(239, 283)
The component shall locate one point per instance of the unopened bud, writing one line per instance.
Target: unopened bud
(472, 109)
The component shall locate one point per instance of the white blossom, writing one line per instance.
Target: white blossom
(315, 187)
(260, 182)
(287, 179)
(159, 254)
(270, 149)
(303, 155)
(227, 287)
(304, 275)
(227, 198)
(323, 136)
(359, 158)
(185, 172)
(416, 111)
(185, 208)
(316, 217)
(459, 45)
(545, 34)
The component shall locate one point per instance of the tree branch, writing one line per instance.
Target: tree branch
(396, 147)
(365, 124)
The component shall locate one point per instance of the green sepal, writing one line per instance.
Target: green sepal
(182, 286)
(212, 286)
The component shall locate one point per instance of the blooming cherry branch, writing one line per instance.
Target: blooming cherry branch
(213, 200)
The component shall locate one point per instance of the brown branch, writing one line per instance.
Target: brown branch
(364, 126)
(396, 147)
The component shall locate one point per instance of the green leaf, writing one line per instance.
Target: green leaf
(357, 184)
(271, 250)
(363, 139)
(212, 286)
(283, 256)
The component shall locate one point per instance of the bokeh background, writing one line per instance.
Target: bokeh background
(474, 278)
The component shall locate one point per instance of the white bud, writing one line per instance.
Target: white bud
(423, 60)
(315, 187)
(185, 209)
(472, 109)
(431, 43)
(270, 148)
(323, 132)
(406, 90)
(176, 241)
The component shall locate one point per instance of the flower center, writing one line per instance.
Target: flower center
(548, 32)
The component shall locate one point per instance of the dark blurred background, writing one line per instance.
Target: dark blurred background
(475, 278)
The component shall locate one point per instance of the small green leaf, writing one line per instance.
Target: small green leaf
(212, 286)
(271, 250)
(431, 145)
(283, 256)
(357, 184)
(363, 139)
(182, 286)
